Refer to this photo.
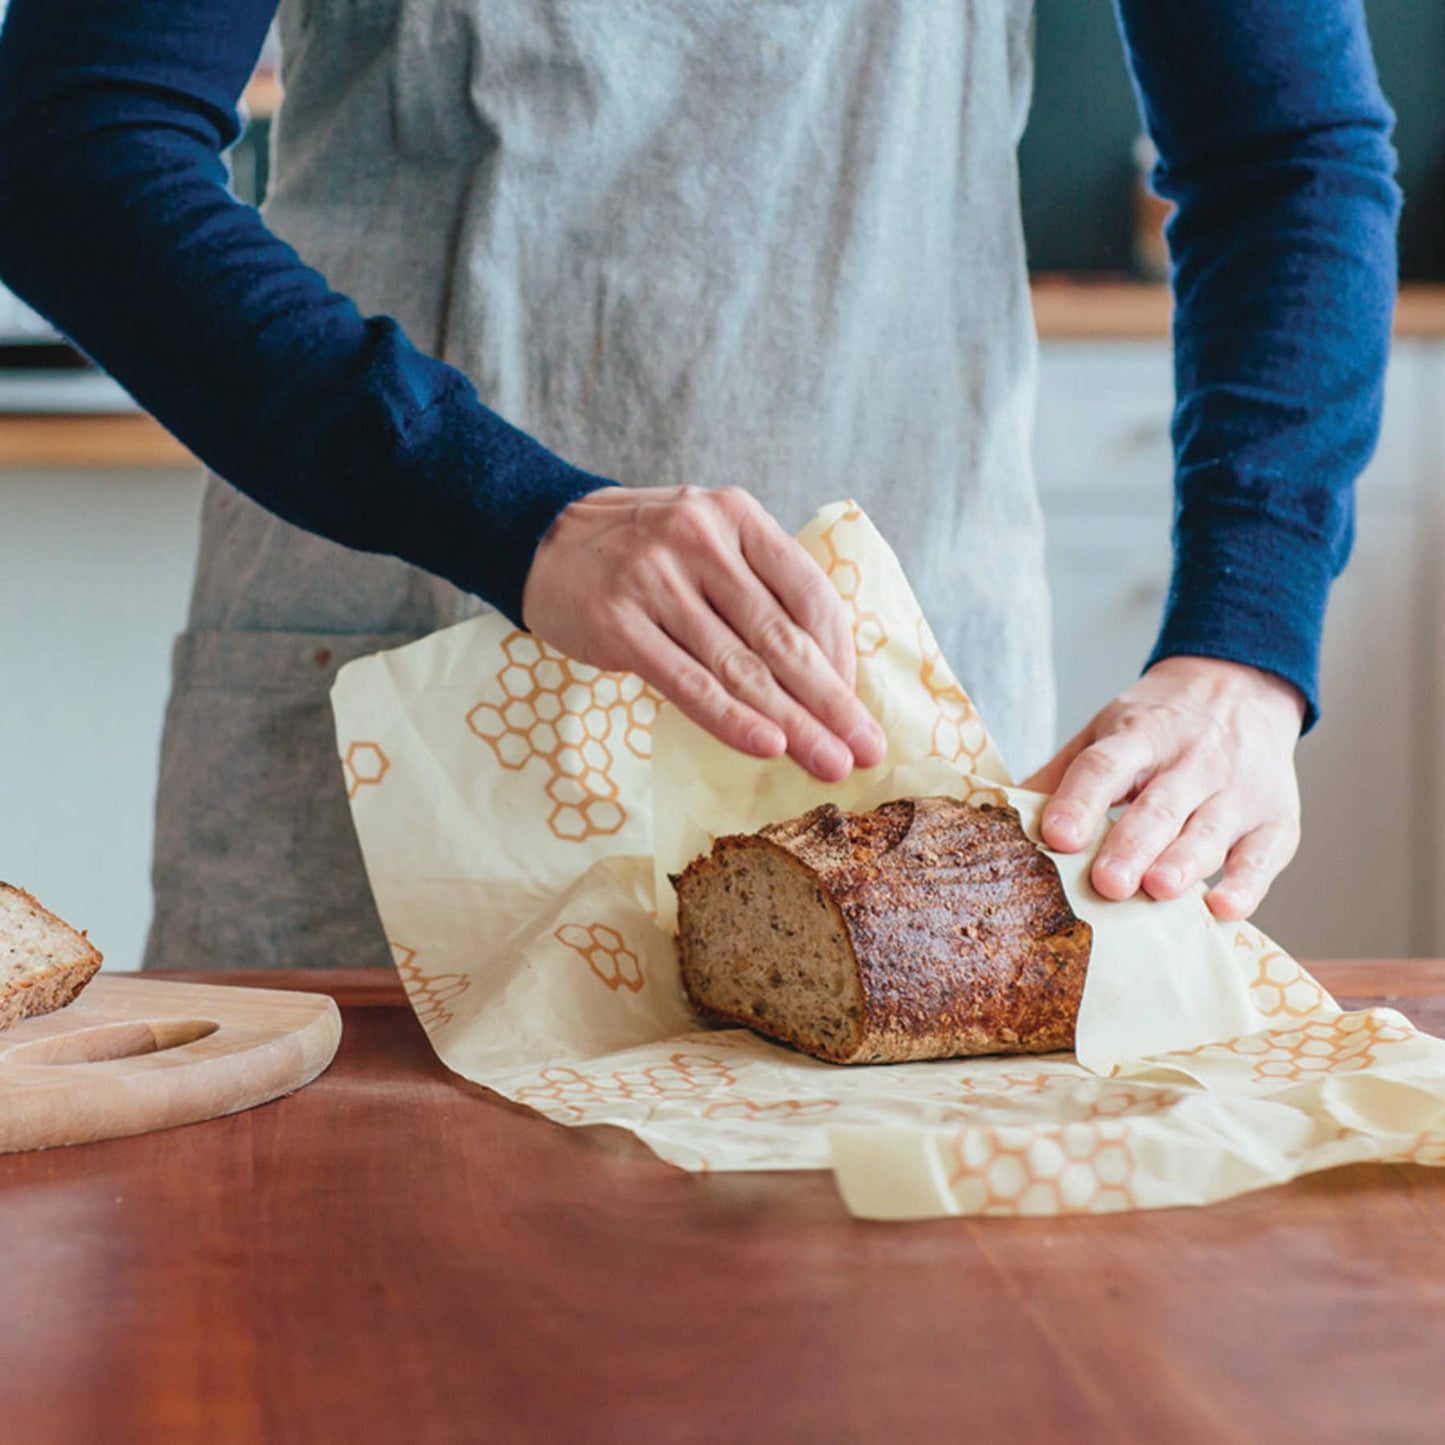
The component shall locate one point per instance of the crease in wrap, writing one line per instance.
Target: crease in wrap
(518, 813)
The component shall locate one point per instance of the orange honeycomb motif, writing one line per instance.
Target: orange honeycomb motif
(869, 636)
(981, 797)
(605, 953)
(430, 993)
(971, 1090)
(563, 1093)
(1077, 1168)
(1346, 1043)
(573, 718)
(958, 736)
(782, 1111)
(1069, 1094)
(366, 765)
(1280, 987)
(1428, 1148)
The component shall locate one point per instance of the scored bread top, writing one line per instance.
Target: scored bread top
(962, 934)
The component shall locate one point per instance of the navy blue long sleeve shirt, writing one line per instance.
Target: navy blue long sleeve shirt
(116, 223)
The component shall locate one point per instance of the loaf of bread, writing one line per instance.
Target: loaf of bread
(44, 962)
(925, 929)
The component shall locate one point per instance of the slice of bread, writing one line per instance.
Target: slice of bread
(44, 962)
(925, 929)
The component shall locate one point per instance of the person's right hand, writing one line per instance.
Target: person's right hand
(703, 595)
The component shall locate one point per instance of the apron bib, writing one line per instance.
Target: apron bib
(769, 243)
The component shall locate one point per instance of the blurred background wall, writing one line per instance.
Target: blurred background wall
(1075, 165)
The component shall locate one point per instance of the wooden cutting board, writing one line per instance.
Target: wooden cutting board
(135, 1054)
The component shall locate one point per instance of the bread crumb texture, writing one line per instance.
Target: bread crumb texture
(44, 962)
(927, 928)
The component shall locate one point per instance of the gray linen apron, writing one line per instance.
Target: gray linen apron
(771, 243)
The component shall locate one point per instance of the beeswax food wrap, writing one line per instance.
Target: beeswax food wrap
(519, 813)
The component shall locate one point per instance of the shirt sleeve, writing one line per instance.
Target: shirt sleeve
(1274, 143)
(117, 225)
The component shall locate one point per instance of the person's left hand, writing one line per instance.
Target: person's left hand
(1203, 752)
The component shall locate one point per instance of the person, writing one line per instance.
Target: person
(743, 259)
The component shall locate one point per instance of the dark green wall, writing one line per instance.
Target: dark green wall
(1075, 166)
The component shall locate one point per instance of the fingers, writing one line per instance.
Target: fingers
(723, 601)
(747, 675)
(1211, 839)
(704, 595)
(1100, 775)
(781, 670)
(1202, 749)
(680, 678)
(1253, 864)
(800, 585)
(1146, 830)
(1198, 852)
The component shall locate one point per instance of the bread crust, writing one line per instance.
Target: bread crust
(958, 926)
(52, 988)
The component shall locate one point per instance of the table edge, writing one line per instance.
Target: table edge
(1353, 978)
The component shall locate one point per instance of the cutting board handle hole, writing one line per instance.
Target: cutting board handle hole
(113, 1041)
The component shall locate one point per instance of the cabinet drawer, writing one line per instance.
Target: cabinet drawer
(1102, 431)
(1102, 435)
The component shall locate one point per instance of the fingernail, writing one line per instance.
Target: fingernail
(830, 759)
(1116, 872)
(1064, 823)
(868, 741)
(1167, 874)
(766, 742)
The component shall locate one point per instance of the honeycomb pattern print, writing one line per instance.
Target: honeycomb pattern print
(573, 719)
(365, 765)
(1065, 1169)
(1346, 1043)
(564, 1093)
(1278, 986)
(869, 636)
(430, 993)
(958, 735)
(984, 797)
(603, 951)
(782, 1111)
(1428, 1148)
(1281, 988)
(1068, 1097)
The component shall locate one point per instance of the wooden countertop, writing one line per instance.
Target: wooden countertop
(1065, 310)
(396, 1254)
(55, 443)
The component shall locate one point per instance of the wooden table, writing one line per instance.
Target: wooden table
(396, 1255)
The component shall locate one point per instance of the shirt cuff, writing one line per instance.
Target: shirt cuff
(447, 484)
(1250, 583)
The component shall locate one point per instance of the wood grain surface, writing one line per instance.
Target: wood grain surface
(396, 1255)
(134, 1054)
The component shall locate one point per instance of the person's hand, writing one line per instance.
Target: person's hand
(703, 595)
(1203, 751)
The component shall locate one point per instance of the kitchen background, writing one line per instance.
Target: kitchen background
(99, 522)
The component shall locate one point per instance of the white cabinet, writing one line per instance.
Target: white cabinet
(1362, 884)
